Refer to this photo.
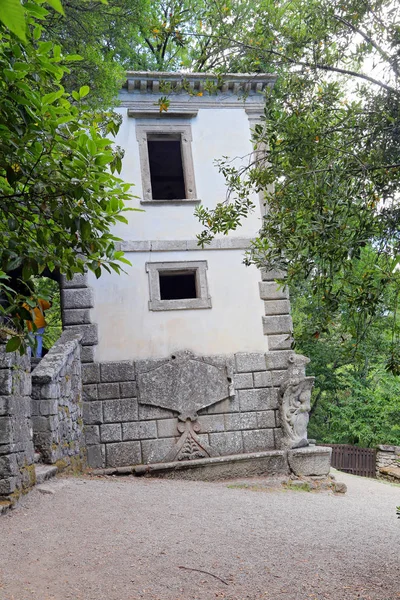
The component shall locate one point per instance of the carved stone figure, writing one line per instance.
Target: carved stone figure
(294, 404)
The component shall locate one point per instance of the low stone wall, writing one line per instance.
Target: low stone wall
(57, 403)
(388, 463)
(17, 471)
(122, 429)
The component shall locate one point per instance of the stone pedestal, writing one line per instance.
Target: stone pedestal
(310, 461)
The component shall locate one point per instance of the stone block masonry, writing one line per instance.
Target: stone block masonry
(388, 463)
(120, 430)
(57, 403)
(17, 471)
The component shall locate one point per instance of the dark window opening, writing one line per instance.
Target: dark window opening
(166, 168)
(177, 286)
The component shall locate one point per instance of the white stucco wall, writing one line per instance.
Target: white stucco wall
(216, 133)
(128, 330)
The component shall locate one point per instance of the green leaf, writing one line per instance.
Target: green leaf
(12, 14)
(13, 344)
(84, 90)
(56, 4)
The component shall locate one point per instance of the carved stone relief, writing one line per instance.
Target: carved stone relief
(185, 384)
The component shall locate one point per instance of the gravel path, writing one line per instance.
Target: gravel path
(128, 539)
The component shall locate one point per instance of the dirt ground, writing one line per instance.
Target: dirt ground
(131, 539)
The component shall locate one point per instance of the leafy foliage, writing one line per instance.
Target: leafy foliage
(59, 194)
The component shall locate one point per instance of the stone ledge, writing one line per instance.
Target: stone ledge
(56, 358)
(210, 469)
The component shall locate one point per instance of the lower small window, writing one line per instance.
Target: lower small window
(178, 285)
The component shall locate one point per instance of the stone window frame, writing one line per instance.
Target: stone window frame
(200, 267)
(174, 129)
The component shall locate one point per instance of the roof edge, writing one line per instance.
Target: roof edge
(150, 82)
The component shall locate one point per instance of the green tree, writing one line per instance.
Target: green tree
(329, 153)
(59, 194)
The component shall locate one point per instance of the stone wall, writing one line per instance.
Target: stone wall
(57, 403)
(17, 472)
(121, 429)
(388, 463)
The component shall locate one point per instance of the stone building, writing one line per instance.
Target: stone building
(184, 355)
(184, 363)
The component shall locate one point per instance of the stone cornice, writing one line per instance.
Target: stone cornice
(194, 90)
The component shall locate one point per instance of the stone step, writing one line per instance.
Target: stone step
(45, 472)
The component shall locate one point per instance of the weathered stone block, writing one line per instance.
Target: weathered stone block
(250, 361)
(6, 382)
(128, 389)
(280, 342)
(154, 451)
(227, 443)
(95, 457)
(89, 333)
(241, 381)
(139, 431)
(7, 359)
(8, 486)
(123, 454)
(278, 360)
(92, 413)
(276, 307)
(79, 280)
(50, 391)
(226, 406)
(211, 423)
(5, 407)
(117, 371)
(258, 440)
(92, 435)
(271, 291)
(78, 316)
(277, 324)
(153, 412)
(5, 430)
(88, 354)
(272, 275)
(240, 421)
(167, 428)
(258, 399)
(118, 411)
(91, 373)
(111, 432)
(77, 298)
(108, 390)
(262, 379)
(48, 407)
(278, 436)
(90, 392)
(8, 466)
(266, 419)
(309, 461)
(279, 377)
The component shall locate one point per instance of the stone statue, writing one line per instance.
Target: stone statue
(294, 404)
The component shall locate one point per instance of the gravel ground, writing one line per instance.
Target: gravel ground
(130, 538)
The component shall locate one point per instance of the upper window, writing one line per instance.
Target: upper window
(166, 162)
(166, 167)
